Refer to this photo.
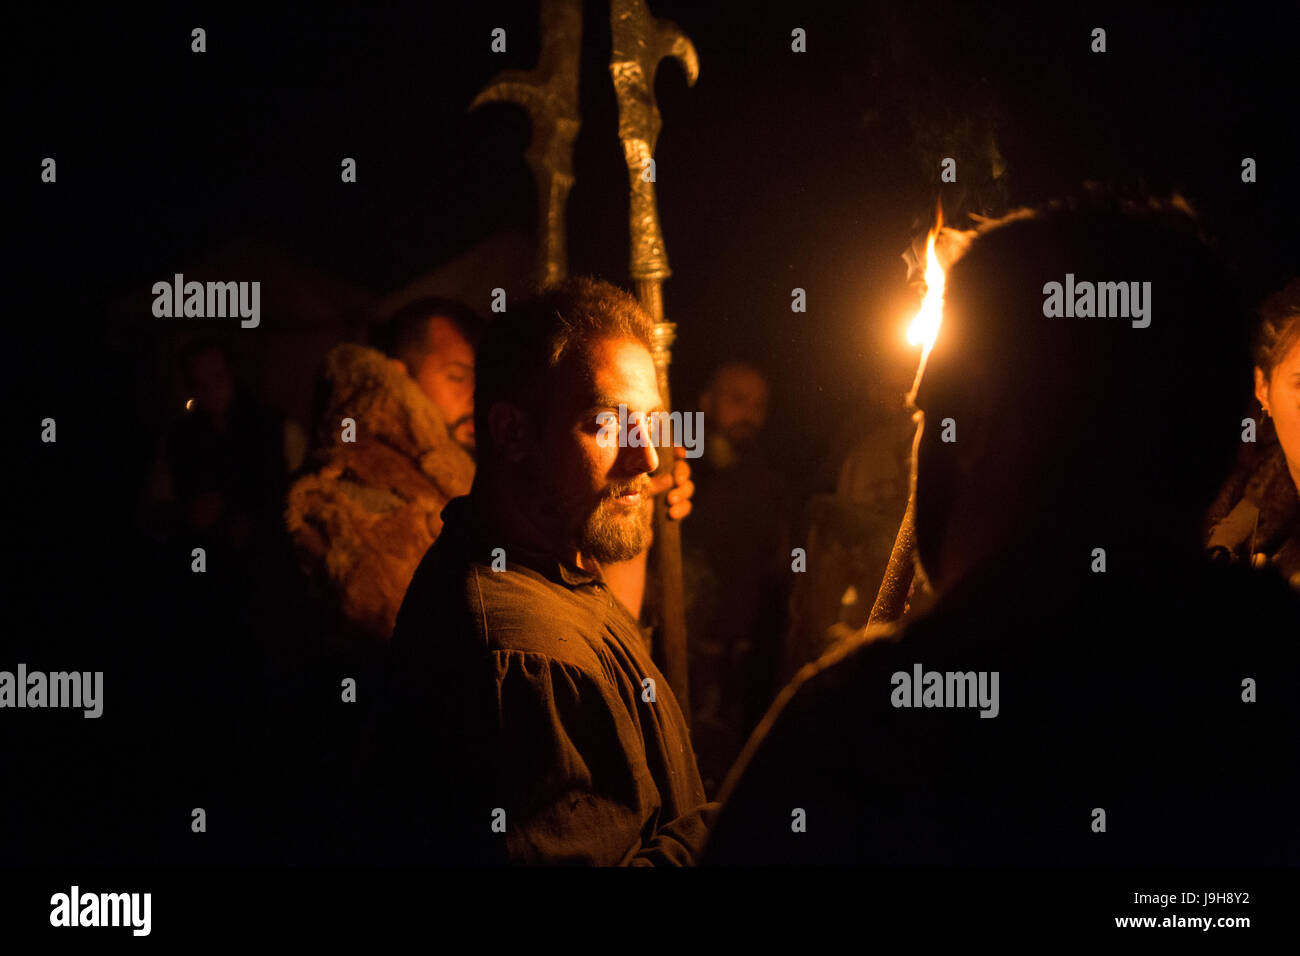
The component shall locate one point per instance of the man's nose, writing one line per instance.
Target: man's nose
(641, 457)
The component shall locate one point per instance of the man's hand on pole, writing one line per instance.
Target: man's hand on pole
(678, 484)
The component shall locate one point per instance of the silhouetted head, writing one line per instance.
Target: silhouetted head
(1072, 433)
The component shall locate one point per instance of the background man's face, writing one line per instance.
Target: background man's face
(599, 490)
(737, 405)
(447, 377)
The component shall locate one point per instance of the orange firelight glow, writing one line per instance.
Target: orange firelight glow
(925, 325)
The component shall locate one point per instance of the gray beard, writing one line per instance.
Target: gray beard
(614, 532)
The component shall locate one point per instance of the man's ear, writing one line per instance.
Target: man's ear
(399, 365)
(509, 427)
(1261, 387)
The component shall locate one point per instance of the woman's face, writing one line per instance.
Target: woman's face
(1280, 394)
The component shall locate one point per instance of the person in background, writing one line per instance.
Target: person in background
(222, 467)
(736, 559)
(1256, 517)
(367, 505)
(223, 601)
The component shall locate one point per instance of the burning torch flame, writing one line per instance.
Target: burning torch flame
(925, 325)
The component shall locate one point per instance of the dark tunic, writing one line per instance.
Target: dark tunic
(522, 691)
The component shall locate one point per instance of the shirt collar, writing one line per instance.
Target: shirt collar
(465, 516)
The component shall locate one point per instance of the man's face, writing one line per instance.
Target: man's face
(737, 405)
(598, 491)
(447, 377)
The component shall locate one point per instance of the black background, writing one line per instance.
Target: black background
(776, 170)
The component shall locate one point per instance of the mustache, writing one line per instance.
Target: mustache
(641, 485)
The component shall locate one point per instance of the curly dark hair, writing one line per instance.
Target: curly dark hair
(521, 348)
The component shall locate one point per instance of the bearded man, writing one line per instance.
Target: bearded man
(525, 718)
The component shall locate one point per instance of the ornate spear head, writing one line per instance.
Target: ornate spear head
(549, 94)
(640, 42)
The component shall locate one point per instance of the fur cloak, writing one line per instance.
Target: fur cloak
(362, 513)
